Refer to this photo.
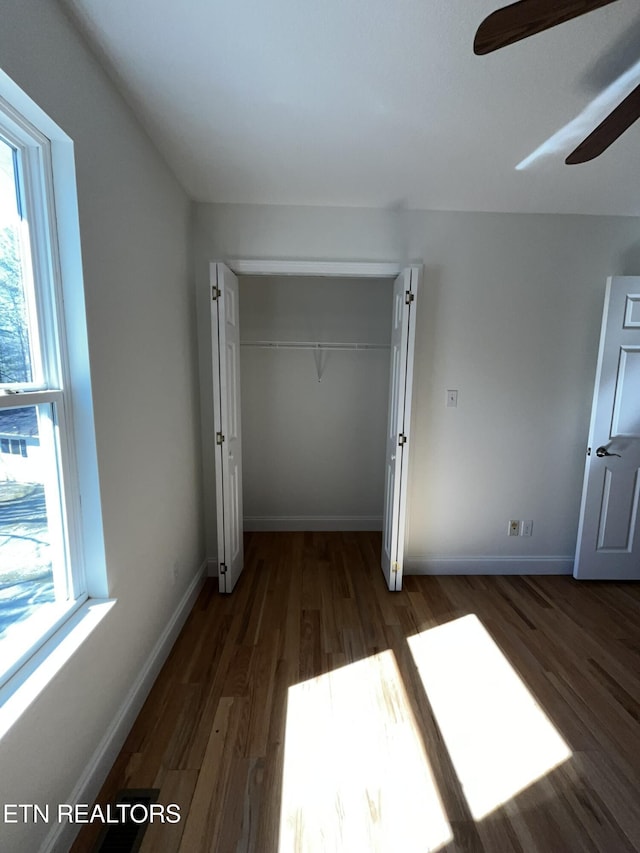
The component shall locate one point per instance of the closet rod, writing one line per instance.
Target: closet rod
(311, 345)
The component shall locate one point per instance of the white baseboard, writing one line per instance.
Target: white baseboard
(259, 523)
(435, 565)
(62, 835)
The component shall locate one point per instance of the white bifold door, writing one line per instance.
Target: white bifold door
(398, 426)
(608, 535)
(225, 334)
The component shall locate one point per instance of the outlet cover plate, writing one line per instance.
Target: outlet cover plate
(526, 528)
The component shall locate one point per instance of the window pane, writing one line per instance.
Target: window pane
(32, 565)
(16, 362)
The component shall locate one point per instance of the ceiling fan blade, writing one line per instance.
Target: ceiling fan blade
(527, 17)
(613, 126)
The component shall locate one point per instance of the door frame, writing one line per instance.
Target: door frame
(336, 269)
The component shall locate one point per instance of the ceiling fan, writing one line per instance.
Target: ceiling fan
(527, 17)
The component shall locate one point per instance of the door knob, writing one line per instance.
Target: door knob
(602, 451)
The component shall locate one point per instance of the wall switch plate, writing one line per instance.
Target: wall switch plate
(452, 398)
(514, 527)
(526, 528)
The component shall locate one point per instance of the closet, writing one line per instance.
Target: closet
(314, 368)
(312, 371)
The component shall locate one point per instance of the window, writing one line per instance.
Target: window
(44, 574)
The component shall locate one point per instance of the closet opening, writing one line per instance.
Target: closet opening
(312, 367)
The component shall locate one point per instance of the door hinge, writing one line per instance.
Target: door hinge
(408, 297)
(215, 292)
(219, 438)
(402, 439)
(395, 567)
(588, 451)
(223, 568)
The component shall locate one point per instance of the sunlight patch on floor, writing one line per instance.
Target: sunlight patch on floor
(499, 739)
(356, 777)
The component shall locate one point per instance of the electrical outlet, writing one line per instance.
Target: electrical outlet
(526, 528)
(514, 527)
(175, 571)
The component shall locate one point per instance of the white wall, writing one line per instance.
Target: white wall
(313, 450)
(134, 223)
(509, 314)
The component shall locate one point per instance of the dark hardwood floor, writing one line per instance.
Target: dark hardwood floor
(313, 710)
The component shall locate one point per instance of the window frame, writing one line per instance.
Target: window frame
(48, 201)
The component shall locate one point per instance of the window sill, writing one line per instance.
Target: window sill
(32, 678)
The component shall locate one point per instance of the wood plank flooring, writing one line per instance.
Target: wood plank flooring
(312, 710)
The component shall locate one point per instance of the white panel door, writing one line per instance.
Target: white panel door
(225, 333)
(398, 438)
(608, 538)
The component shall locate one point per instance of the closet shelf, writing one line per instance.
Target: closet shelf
(312, 345)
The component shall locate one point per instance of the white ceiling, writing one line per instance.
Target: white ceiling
(371, 103)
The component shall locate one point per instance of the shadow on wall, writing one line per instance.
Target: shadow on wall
(631, 260)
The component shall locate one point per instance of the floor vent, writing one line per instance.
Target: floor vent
(126, 836)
